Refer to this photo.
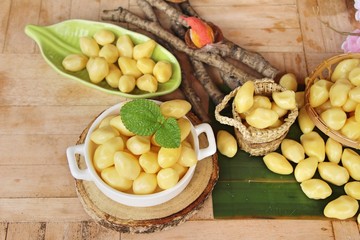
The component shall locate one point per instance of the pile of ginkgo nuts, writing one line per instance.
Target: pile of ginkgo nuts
(335, 164)
(118, 61)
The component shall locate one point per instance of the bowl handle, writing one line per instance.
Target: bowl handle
(82, 174)
(211, 148)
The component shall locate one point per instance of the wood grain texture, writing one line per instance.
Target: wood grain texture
(42, 113)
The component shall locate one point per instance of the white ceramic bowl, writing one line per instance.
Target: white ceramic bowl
(90, 174)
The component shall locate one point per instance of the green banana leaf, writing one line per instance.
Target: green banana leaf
(59, 40)
(246, 188)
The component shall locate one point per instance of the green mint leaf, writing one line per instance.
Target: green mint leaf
(142, 117)
(168, 135)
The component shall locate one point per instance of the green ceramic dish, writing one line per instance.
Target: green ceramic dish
(59, 40)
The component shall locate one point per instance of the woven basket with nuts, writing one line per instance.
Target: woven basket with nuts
(260, 124)
(332, 98)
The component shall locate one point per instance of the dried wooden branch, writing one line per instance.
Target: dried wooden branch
(188, 9)
(123, 15)
(187, 77)
(200, 71)
(228, 49)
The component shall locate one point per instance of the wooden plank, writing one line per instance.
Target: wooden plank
(41, 210)
(235, 2)
(346, 230)
(251, 16)
(205, 211)
(26, 231)
(39, 148)
(3, 230)
(244, 229)
(47, 119)
(62, 230)
(109, 4)
(336, 14)
(53, 210)
(63, 91)
(30, 181)
(310, 27)
(53, 11)
(272, 40)
(315, 59)
(92, 230)
(4, 16)
(275, 59)
(83, 9)
(49, 88)
(295, 63)
(32, 65)
(79, 230)
(20, 16)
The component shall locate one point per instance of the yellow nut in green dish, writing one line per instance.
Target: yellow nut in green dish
(109, 52)
(147, 82)
(145, 65)
(113, 76)
(125, 46)
(162, 71)
(144, 50)
(104, 37)
(75, 62)
(127, 83)
(99, 39)
(89, 46)
(98, 69)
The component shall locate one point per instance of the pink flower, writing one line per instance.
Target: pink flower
(357, 7)
(351, 43)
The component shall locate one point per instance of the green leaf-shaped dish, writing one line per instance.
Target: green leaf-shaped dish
(59, 40)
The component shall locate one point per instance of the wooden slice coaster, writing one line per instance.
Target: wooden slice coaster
(122, 218)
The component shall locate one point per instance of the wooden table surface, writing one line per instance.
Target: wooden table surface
(42, 113)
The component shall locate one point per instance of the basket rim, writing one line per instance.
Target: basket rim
(257, 135)
(315, 117)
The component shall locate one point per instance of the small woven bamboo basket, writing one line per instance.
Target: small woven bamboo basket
(324, 71)
(257, 142)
